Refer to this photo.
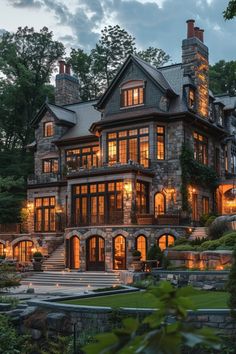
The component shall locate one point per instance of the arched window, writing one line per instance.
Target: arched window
(74, 252)
(165, 241)
(159, 204)
(141, 246)
(119, 252)
(23, 251)
(2, 249)
(96, 253)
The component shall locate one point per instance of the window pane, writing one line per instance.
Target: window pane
(112, 136)
(141, 95)
(101, 187)
(130, 97)
(160, 147)
(142, 247)
(133, 153)
(135, 96)
(112, 152)
(123, 151)
(144, 151)
(122, 134)
(143, 131)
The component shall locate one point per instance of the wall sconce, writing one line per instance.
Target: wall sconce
(128, 189)
(59, 209)
(30, 206)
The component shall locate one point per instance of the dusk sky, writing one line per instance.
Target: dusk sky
(158, 23)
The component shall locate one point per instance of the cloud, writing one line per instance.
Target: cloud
(26, 3)
(159, 23)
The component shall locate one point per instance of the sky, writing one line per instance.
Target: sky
(157, 23)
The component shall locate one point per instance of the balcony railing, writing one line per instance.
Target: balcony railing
(101, 167)
(10, 228)
(44, 178)
(115, 218)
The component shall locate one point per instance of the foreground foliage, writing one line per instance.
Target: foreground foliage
(231, 286)
(162, 332)
(8, 277)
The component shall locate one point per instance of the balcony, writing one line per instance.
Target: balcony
(106, 168)
(10, 228)
(44, 178)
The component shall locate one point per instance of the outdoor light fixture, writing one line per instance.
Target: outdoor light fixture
(128, 189)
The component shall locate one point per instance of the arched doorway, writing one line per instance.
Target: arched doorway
(230, 201)
(22, 251)
(73, 252)
(141, 246)
(119, 252)
(96, 253)
(2, 248)
(159, 204)
(165, 241)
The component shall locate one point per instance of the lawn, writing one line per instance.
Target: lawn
(201, 299)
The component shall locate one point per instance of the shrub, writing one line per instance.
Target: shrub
(217, 228)
(183, 247)
(181, 240)
(136, 253)
(228, 239)
(37, 255)
(198, 241)
(209, 220)
(209, 245)
(8, 277)
(154, 252)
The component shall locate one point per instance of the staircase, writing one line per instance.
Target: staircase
(56, 261)
(73, 279)
(198, 232)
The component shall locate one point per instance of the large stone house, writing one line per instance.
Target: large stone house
(108, 174)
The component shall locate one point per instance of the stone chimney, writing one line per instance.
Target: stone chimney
(195, 64)
(67, 86)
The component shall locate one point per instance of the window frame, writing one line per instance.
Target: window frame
(130, 87)
(81, 156)
(160, 135)
(51, 161)
(50, 207)
(128, 138)
(200, 142)
(45, 129)
(144, 187)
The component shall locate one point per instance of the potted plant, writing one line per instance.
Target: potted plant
(155, 254)
(137, 265)
(37, 261)
(136, 255)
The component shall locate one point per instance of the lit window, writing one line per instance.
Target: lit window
(165, 241)
(141, 244)
(129, 145)
(142, 197)
(160, 143)
(200, 148)
(132, 96)
(48, 129)
(205, 205)
(83, 157)
(45, 214)
(159, 204)
(50, 166)
(191, 99)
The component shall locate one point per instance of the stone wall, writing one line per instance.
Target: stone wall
(201, 260)
(62, 317)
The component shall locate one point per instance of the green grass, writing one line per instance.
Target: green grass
(201, 299)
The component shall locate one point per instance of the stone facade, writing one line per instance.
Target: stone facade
(165, 104)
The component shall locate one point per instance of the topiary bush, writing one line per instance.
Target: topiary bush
(183, 247)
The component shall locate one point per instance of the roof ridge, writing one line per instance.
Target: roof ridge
(61, 107)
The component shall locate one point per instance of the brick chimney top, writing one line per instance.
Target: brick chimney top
(61, 66)
(194, 31)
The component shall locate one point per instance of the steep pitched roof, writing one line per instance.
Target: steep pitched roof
(62, 114)
(227, 100)
(154, 74)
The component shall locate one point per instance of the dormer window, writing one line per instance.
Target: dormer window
(191, 98)
(132, 93)
(48, 129)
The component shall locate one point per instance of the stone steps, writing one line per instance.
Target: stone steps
(56, 261)
(73, 279)
(198, 232)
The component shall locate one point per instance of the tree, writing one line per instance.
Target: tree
(97, 69)
(27, 62)
(155, 56)
(164, 331)
(223, 77)
(230, 11)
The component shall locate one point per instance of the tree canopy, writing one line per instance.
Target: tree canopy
(223, 77)
(230, 11)
(97, 69)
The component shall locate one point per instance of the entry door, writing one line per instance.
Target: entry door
(96, 253)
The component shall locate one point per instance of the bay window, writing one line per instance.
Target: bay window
(84, 157)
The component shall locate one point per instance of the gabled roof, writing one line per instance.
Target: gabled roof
(154, 74)
(228, 100)
(61, 114)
